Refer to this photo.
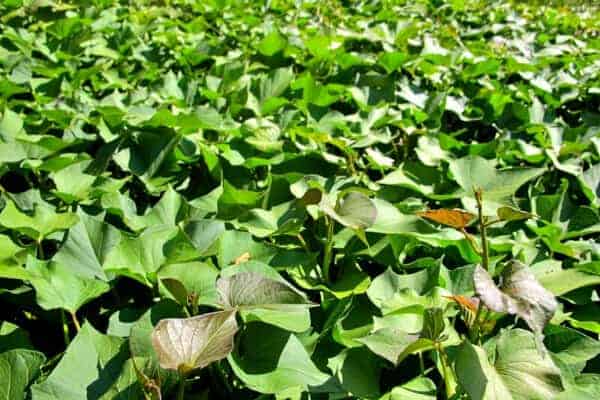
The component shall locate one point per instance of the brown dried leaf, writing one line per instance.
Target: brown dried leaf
(455, 218)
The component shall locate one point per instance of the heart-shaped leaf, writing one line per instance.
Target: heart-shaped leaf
(520, 293)
(185, 344)
(520, 371)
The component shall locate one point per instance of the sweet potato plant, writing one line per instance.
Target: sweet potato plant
(299, 199)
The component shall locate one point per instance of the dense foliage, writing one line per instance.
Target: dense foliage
(299, 200)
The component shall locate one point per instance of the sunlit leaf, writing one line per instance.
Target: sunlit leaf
(185, 344)
(519, 371)
(520, 293)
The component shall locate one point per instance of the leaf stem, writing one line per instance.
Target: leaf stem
(485, 255)
(476, 328)
(421, 363)
(303, 242)
(447, 374)
(40, 249)
(471, 241)
(65, 328)
(75, 322)
(328, 249)
(181, 388)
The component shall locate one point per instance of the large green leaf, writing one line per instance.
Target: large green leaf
(140, 257)
(57, 287)
(498, 186)
(87, 246)
(43, 222)
(270, 360)
(357, 370)
(521, 370)
(107, 372)
(18, 369)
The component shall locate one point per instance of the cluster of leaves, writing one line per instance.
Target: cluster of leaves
(286, 199)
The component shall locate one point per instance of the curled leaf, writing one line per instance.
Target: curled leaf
(455, 218)
(185, 344)
(465, 302)
(177, 289)
(312, 196)
(354, 210)
(520, 293)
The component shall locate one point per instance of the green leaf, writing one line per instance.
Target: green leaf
(389, 289)
(57, 287)
(358, 371)
(72, 183)
(87, 246)
(590, 183)
(13, 337)
(186, 344)
(271, 360)
(521, 370)
(520, 294)
(271, 44)
(498, 186)
(43, 222)
(18, 369)
(561, 281)
(198, 278)
(513, 214)
(394, 344)
(419, 388)
(107, 372)
(570, 346)
(11, 125)
(140, 257)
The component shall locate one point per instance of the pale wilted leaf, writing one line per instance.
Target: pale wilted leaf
(520, 293)
(355, 210)
(254, 290)
(185, 344)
